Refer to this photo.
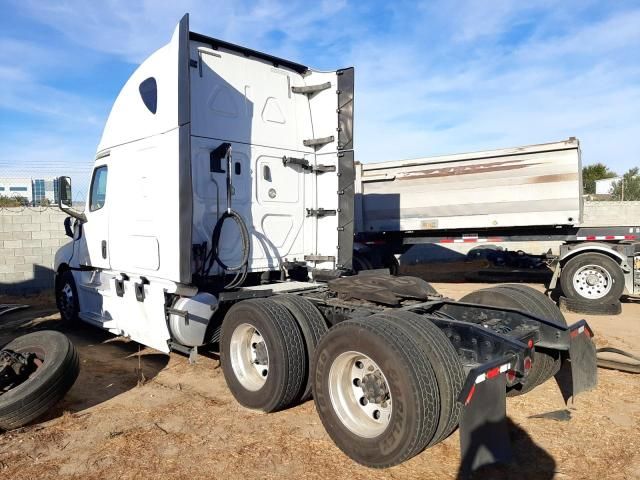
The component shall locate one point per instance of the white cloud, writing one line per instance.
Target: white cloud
(436, 77)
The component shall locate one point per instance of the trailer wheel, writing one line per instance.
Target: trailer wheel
(262, 354)
(313, 326)
(52, 367)
(375, 392)
(593, 277)
(544, 361)
(67, 297)
(445, 362)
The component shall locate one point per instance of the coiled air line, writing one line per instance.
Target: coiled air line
(224, 150)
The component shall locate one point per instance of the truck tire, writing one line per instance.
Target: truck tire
(67, 298)
(445, 362)
(391, 413)
(262, 355)
(584, 306)
(544, 361)
(313, 327)
(552, 313)
(54, 376)
(592, 277)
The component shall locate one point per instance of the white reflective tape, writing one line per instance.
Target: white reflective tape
(602, 237)
(505, 367)
(581, 329)
(481, 378)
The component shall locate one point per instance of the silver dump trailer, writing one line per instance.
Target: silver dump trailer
(220, 216)
(529, 193)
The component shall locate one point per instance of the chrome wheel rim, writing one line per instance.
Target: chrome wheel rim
(360, 394)
(249, 357)
(592, 282)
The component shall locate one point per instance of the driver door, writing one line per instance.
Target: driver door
(96, 229)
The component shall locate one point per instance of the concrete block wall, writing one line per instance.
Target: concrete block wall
(611, 213)
(29, 239)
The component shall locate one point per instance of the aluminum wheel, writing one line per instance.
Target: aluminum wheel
(592, 281)
(249, 357)
(360, 394)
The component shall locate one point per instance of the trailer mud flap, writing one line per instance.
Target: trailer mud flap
(582, 354)
(484, 432)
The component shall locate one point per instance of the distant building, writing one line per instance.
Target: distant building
(605, 186)
(36, 191)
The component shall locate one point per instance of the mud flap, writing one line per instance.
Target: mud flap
(484, 433)
(582, 353)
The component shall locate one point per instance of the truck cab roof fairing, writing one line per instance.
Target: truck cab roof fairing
(131, 118)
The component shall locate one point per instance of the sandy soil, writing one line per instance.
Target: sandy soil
(135, 414)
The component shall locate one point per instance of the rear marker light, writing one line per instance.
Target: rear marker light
(527, 363)
(530, 343)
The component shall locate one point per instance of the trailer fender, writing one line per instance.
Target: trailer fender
(570, 251)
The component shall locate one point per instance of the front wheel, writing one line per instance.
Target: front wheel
(593, 277)
(67, 297)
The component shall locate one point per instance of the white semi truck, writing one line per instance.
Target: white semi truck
(524, 194)
(220, 215)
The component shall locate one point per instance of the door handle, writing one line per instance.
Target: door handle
(104, 249)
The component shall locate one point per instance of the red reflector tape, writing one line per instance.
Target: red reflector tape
(471, 392)
(578, 331)
(494, 372)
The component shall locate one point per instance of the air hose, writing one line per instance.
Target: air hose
(214, 255)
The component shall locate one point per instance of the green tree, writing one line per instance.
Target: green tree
(16, 201)
(591, 173)
(629, 187)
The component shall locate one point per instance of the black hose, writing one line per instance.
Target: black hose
(627, 367)
(214, 255)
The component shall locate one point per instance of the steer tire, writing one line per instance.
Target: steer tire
(286, 354)
(445, 362)
(47, 384)
(415, 400)
(543, 361)
(313, 327)
(67, 298)
(587, 307)
(600, 260)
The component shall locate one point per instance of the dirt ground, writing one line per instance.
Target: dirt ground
(135, 414)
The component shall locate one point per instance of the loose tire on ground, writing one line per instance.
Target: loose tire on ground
(445, 362)
(412, 386)
(313, 327)
(67, 298)
(585, 306)
(47, 385)
(277, 339)
(596, 267)
(544, 361)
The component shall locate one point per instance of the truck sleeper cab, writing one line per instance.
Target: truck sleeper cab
(220, 214)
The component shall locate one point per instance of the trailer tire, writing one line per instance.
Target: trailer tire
(313, 327)
(67, 298)
(583, 306)
(544, 361)
(578, 271)
(552, 313)
(47, 385)
(406, 376)
(254, 332)
(445, 362)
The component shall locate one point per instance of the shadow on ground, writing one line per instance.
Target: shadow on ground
(530, 461)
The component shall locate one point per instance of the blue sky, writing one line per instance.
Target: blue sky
(431, 78)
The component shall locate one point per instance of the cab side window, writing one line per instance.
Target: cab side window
(98, 193)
